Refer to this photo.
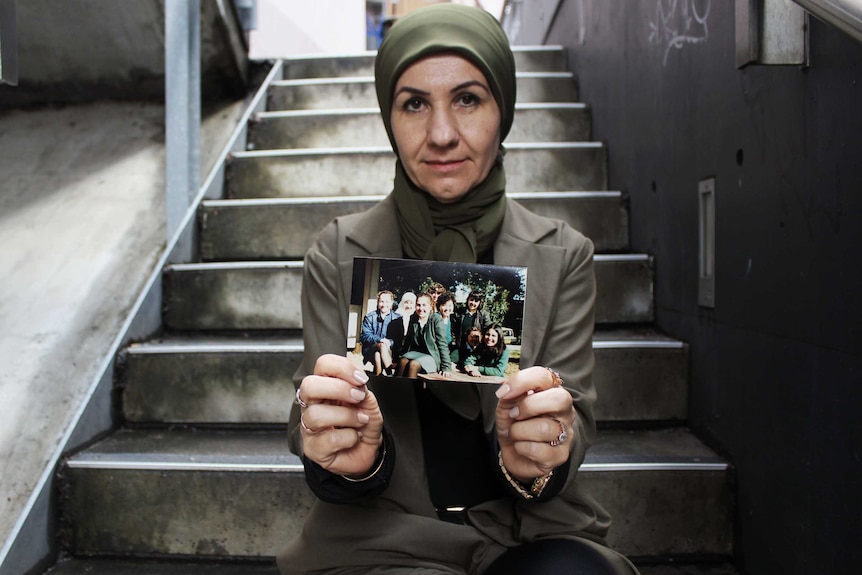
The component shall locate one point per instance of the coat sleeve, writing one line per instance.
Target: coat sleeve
(441, 343)
(321, 309)
(569, 348)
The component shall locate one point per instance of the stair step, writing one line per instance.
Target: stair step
(152, 493)
(120, 567)
(265, 295)
(210, 381)
(527, 59)
(547, 166)
(359, 92)
(667, 492)
(284, 228)
(153, 567)
(639, 376)
(349, 127)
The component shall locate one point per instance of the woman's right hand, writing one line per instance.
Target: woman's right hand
(341, 423)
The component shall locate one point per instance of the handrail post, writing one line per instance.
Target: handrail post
(8, 44)
(182, 108)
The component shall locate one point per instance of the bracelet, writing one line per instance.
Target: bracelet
(373, 473)
(536, 487)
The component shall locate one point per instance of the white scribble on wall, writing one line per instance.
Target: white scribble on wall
(678, 23)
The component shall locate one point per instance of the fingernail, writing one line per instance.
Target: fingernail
(362, 417)
(360, 376)
(514, 412)
(503, 390)
(357, 393)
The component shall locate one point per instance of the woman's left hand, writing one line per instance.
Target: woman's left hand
(535, 423)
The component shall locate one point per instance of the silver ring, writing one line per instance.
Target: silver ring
(306, 428)
(301, 403)
(561, 438)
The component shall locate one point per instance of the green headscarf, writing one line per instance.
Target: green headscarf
(466, 230)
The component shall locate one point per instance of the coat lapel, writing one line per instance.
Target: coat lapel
(519, 244)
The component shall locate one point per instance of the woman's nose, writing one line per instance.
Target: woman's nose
(442, 129)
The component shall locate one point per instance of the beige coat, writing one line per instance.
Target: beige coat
(400, 527)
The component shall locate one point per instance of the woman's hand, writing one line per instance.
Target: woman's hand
(535, 423)
(472, 370)
(341, 423)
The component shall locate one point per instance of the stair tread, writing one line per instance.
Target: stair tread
(215, 343)
(294, 200)
(250, 450)
(148, 567)
(144, 567)
(276, 264)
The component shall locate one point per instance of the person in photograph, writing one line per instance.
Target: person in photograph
(435, 477)
(446, 309)
(424, 349)
(491, 356)
(474, 315)
(474, 338)
(435, 291)
(398, 328)
(376, 345)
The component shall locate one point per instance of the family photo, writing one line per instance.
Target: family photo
(436, 320)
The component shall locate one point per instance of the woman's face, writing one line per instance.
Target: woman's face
(446, 125)
(406, 307)
(446, 309)
(472, 305)
(423, 306)
(491, 338)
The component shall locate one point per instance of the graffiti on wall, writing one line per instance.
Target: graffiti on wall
(679, 23)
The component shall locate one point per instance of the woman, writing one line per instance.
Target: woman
(469, 348)
(446, 309)
(425, 349)
(492, 357)
(398, 327)
(449, 478)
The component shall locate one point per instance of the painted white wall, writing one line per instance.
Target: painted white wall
(292, 27)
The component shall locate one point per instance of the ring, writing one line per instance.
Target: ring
(558, 381)
(301, 403)
(561, 438)
(306, 428)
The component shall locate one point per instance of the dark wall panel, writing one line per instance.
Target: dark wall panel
(776, 370)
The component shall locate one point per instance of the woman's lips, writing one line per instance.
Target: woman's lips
(444, 166)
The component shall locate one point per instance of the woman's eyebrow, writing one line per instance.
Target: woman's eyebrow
(470, 84)
(458, 88)
(410, 90)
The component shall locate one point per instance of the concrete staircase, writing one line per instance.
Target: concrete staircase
(199, 469)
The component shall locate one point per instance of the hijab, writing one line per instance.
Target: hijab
(463, 231)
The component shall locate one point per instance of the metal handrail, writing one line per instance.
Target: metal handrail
(846, 15)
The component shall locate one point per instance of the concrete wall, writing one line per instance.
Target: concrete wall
(776, 374)
(83, 50)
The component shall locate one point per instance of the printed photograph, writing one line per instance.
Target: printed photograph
(439, 321)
